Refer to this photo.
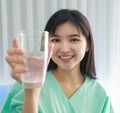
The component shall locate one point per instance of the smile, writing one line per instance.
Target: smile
(66, 57)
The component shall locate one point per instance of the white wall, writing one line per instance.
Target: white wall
(104, 18)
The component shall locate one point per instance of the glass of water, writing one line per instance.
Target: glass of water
(35, 45)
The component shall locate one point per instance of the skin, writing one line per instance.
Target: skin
(31, 96)
(70, 46)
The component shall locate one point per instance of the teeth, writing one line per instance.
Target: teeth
(65, 57)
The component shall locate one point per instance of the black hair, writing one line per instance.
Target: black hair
(80, 21)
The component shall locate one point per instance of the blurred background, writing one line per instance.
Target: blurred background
(104, 17)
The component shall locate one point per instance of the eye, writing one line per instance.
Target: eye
(54, 40)
(74, 40)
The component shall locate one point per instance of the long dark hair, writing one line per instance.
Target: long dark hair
(80, 21)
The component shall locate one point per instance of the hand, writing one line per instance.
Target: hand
(16, 62)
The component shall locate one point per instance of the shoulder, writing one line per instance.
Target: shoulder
(96, 87)
(17, 98)
(48, 81)
(49, 76)
(96, 93)
(14, 98)
(16, 88)
(103, 95)
(49, 73)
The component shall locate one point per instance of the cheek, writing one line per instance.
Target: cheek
(81, 50)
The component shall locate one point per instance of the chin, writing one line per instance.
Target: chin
(66, 68)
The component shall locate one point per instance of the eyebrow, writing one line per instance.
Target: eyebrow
(71, 35)
(74, 35)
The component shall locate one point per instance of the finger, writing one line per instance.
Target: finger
(15, 43)
(15, 51)
(13, 59)
(17, 72)
(16, 77)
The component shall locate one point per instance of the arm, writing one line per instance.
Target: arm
(31, 100)
(31, 96)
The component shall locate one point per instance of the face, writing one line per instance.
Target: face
(69, 46)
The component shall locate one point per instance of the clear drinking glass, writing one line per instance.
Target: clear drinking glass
(35, 45)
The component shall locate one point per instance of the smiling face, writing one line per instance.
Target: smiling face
(70, 46)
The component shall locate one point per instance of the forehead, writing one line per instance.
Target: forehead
(67, 27)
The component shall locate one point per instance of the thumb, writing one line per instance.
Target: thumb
(15, 43)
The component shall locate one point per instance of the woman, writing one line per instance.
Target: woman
(71, 85)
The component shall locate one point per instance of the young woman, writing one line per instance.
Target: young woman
(71, 85)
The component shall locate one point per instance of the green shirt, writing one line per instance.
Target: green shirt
(89, 98)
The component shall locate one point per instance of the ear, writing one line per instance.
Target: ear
(87, 47)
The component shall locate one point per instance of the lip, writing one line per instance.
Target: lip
(66, 58)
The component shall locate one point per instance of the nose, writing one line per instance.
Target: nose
(64, 46)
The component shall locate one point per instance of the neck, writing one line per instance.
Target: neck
(66, 76)
(70, 80)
